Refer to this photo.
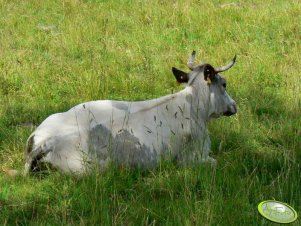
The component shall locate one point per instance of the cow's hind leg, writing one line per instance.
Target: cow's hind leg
(51, 152)
(33, 156)
(34, 160)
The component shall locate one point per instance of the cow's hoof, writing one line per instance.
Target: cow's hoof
(211, 161)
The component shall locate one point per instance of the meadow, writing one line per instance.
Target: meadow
(57, 54)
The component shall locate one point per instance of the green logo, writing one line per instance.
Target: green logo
(277, 211)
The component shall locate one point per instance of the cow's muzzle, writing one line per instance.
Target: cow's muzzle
(231, 111)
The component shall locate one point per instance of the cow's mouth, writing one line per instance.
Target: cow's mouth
(229, 113)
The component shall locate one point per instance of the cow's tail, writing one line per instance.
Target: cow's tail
(32, 155)
(10, 172)
(28, 155)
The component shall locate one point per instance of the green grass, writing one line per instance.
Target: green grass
(56, 54)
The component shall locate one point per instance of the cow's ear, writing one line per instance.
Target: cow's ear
(209, 73)
(181, 76)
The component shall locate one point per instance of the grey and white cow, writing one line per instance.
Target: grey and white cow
(135, 134)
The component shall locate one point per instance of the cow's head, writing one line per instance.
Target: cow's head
(205, 76)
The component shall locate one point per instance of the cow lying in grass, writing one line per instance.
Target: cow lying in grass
(135, 134)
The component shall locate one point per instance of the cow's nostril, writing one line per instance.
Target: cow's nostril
(234, 107)
(232, 110)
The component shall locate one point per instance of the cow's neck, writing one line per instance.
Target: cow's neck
(196, 98)
(200, 101)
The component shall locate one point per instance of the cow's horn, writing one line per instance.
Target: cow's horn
(191, 60)
(226, 67)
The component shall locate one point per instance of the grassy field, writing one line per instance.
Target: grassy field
(56, 54)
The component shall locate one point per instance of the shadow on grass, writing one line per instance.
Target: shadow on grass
(118, 196)
(262, 151)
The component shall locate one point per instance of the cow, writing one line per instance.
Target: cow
(136, 134)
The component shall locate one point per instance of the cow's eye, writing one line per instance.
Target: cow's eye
(225, 85)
